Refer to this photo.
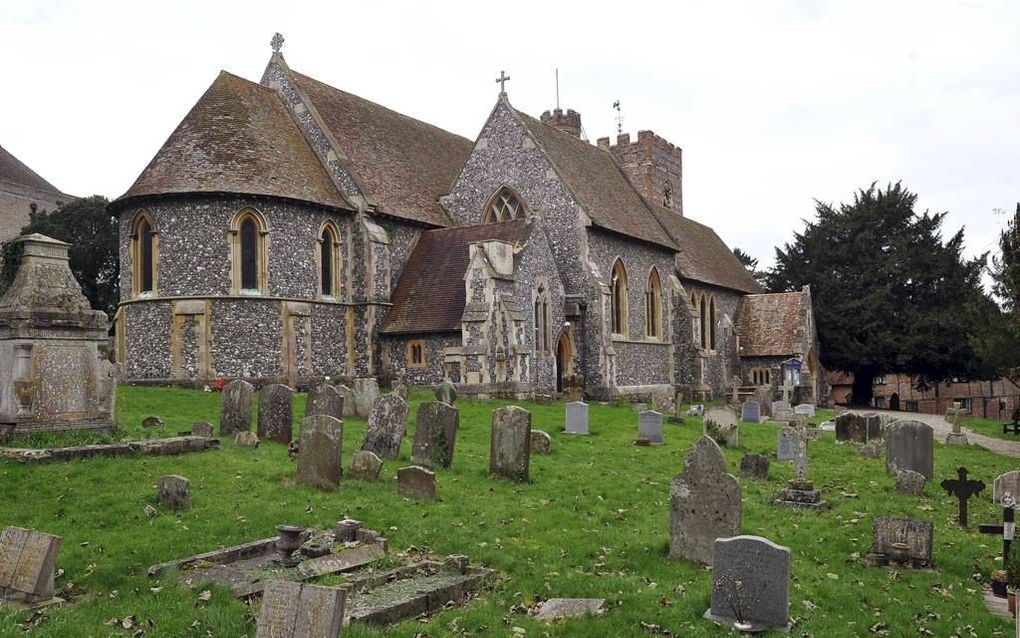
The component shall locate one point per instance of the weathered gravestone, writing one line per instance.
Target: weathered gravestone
(366, 393)
(750, 584)
(805, 408)
(903, 541)
(910, 482)
(325, 400)
(365, 466)
(1008, 482)
(348, 398)
(174, 492)
(782, 412)
(235, 407)
(416, 482)
(435, 434)
(786, 444)
(154, 421)
(27, 560)
(399, 388)
(755, 467)
(202, 428)
(557, 608)
(704, 503)
(909, 445)
(446, 393)
(858, 428)
(246, 439)
(275, 420)
(387, 425)
(541, 442)
(319, 454)
(763, 396)
(871, 450)
(720, 423)
(650, 427)
(510, 444)
(957, 436)
(750, 412)
(577, 418)
(293, 610)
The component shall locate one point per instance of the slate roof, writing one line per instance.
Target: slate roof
(430, 296)
(773, 324)
(15, 171)
(404, 164)
(603, 189)
(238, 138)
(702, 254)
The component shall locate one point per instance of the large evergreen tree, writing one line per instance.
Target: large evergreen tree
(751, 264)
(889, 294)
(1006, 267)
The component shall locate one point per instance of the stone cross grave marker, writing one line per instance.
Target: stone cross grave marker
(962, 488)
(650, 427)
(319, 452)
(577, 418)
(293, 610)
(909, 445)
(174, 492)
(750, 412)
(786, 444)
(957, 436)
(27, 561)
(704, 502)
(435, 434)
(275, 420)
(1005, 483)
(325, 400)
(901, 540)
(386, 427)
(800, 492)
(750, 584)
(1008, 528)
(235, 407)
(720, 423)
(510, 444)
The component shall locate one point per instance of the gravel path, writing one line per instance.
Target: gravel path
(942, 428)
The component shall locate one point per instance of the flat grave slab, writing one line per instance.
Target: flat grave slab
(149, 447)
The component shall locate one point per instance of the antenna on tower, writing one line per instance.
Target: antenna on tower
(557, 87)
(619, 118)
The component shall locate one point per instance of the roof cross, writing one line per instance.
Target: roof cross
(276, 42)
(502, 79)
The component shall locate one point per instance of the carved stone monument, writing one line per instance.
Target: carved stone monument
(27, 561)
(704, 501)
(750, 584)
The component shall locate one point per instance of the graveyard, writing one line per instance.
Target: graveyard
(592, 520)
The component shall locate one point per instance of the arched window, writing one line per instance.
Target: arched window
(703, 303)
(144, 256)
(667, 196)
(711, 325)
(329, 261)
(504, 206)
(543, 337)
(248, 253)
(653, 306)
(618, 300)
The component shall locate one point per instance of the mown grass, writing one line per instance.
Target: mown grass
(990, 427)
(594, 522)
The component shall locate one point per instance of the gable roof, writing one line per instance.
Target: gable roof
(15, 171)
(430, 296)
(773, 324)
(238, 138)
(703, 256)
(600, 186)
(405, 164)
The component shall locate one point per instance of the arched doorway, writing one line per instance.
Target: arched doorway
(894, 401)
(564, 358)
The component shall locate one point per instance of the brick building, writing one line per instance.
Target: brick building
(989, 399)
(23, 191)
(288, 230)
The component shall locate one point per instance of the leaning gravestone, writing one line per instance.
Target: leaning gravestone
(750, 584)
(577, 418)
(510, 444)
(754, 467)
(293, 610)
(319, 452)
(387, 425)
(174, 492)
(366, 393)
(903, 541)
(365, 466)
(650, 427)
(325, 400)
(704, 503)
(851, 427)
(750, 412)
(1007, 483)
(720, 423)
(275, 421)
(27, 560)
(541, 442)
(910, 482)
(416, 482)
(235, 407)
(805, 408)
(786, 444)
(435, 434)
(202, 428)
(909, 445)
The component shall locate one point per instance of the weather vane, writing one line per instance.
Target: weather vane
(276, 42)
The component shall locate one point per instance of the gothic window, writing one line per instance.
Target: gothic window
(329, 261)
(416, 353)
(248, 253)
(143, 256)
(653, 306)
(667, 196)
(543, 336)
(504, 206)
(618, 299)
(703, 304)
(711, 324)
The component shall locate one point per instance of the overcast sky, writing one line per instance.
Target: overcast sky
(775, 104)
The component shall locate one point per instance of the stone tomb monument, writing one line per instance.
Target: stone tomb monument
(435, 434)
(650, 427)
(52, 374)
(750, 412)
(276, 420)
(1006, 483)
(510, 444)
(786, 444)
(720, 423)
(321, 446)
(902, 541)
(704, 501)
(387, 425)
(27, 561)
(750, 584)
(909, 445)
(235, 407)
(577, 418)
(326, 400)
(294, 610)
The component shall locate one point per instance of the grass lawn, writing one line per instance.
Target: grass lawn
(989, 427)
(593, 523)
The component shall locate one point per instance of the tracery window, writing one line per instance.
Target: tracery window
(543, 336)
(504, 206)
(653, 306)
(618, 299)
(416, 353)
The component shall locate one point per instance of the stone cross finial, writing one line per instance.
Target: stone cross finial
(502, 79)
(276, 42)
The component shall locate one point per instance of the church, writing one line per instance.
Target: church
(290, 231)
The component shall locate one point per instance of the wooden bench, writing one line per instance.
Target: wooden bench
(1014, 425)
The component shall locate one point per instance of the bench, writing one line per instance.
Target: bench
(1014, 426)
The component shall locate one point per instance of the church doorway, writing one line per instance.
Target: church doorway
(564, 357)
(894, 402)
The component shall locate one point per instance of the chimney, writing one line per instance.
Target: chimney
(654, 166)
(569, 122)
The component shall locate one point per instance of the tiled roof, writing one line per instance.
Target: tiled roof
(405, 164)
(773, 324)
(238, 138)
(430, 296)
(703, 256)
(14, 171)
(595, 179)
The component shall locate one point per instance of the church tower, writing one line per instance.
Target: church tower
(653, 165)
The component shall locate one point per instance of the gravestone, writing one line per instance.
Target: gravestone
(386, 427)
(901, 541)
(446, 393)
(782, 412)
(909, 445)
(541, 442)
(1008, 482)
(962, 488)
(153, 421)
(399, 388)
(174, 492)
(871, 450)
(275, 420)
(720, 423)
(852, 427)
(246, 439)
(750, 412)
(510, 444)
(435, 434)
(750, 584)
(325, 400)
(366, 393)
(557, 608)
(957, 436)
(910, 482)
(235, 407)
(293, 610)
(763, 396)
(365, 466)
(662, 400)
(754, 467)
(577, 418)
(800, 492)
(650, 427)
(416, 482)
(696, 410)
(348, 398)
(874, 425)
(319, 452)
(805, 408)
(27, 561)
(202, 428)
(704, 503)
(786, 444)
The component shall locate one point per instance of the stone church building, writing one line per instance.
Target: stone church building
(23, 192)
(288, 230)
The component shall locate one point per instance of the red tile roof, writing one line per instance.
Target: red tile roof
(773, 324)
(430, 296)
(14, 170)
